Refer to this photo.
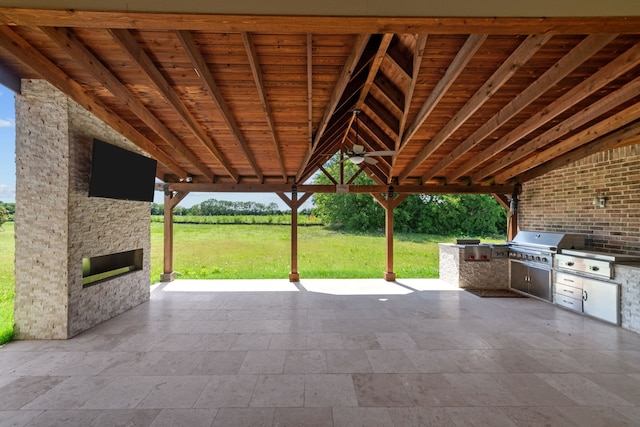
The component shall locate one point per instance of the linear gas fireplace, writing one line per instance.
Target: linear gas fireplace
(100, 268)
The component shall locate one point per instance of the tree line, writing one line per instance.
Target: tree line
(440, 214)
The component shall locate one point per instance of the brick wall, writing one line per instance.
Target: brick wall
(57, 224)
(563, 200)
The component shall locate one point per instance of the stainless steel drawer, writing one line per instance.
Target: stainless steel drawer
(568, 279)
(568, 291)
(568, 302)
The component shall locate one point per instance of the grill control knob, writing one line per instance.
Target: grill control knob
(544, 259)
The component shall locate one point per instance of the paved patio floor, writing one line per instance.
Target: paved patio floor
(327, 353)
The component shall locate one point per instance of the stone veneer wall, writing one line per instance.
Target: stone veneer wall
(57, 224)
(456, 271)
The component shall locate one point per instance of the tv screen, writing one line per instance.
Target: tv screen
(117, 173)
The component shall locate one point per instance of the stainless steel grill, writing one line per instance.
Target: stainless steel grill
(531, 257)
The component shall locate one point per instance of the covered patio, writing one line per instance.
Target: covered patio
(327, 353)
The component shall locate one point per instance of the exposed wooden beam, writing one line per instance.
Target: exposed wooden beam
(508, 68)
(376, 62)
(359, 189)
(49, 71)
(630, 134)
(421, 42)
(9, 80)
(310, 88)
(128, 43)
(326, 24)
(76, 50)
(257, 77)
(462, 58)
(608, 125)
(583, 51)
(347, 71)
(589, 113)
(192, 50)
(502, 199)
(600, 78)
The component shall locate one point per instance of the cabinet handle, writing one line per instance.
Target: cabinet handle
(567, 290)
(585, 295)
(594, 268)
(570, 264)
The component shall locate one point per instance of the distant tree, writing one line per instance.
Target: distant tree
(157, 209)
(4, 215)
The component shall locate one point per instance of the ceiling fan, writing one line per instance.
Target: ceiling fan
(359, 153)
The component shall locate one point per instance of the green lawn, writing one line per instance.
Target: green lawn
(259, 251)
(254, 251)
(7, 281)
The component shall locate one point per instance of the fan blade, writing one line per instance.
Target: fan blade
(370, 160)
(380, 153)
(358, 149)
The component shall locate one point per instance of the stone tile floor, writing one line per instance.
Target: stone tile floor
(327, 353)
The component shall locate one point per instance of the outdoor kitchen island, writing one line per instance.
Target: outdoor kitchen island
(472, 265)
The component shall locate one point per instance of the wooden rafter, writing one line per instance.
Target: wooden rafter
(257, 76)
(583, 51)
(76, 50)
(606, 74)
(518, 58)
(591, 112)
(629, 134)
(458, 64)
(309, 68)
(10, 41)
(408, 97)
(341, 84)
(191, 48)
(608, 125)
(128, 43)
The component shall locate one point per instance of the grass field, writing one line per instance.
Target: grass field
(7, 281)
(230, 251)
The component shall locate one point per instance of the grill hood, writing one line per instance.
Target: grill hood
(548, 240)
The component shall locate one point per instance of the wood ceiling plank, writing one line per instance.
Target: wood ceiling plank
(629, 134)
(518, 58)
(464, 55)
(204, 71)
(591, 112)
(606, 126)
(22, 50)
(587, 48)
(128, 43)
(596, 81)
(80, 53)
(257, 75)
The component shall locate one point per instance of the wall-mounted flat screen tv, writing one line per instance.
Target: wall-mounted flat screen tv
(117, 173)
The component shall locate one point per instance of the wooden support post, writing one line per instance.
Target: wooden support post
(294, 203)
(294, 276)
(389, 275)
(171, 200)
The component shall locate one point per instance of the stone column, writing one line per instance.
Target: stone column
(42, 215)
(58, 225)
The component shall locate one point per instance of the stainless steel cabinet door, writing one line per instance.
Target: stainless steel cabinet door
(540, 283)
(601, 300)
(519, 276)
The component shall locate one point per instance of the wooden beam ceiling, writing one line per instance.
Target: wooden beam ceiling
(468, 105)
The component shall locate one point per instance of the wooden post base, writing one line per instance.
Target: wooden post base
(294, 277)
(389, 276)
(168, 277)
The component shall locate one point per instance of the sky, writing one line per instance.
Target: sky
(8, 166)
